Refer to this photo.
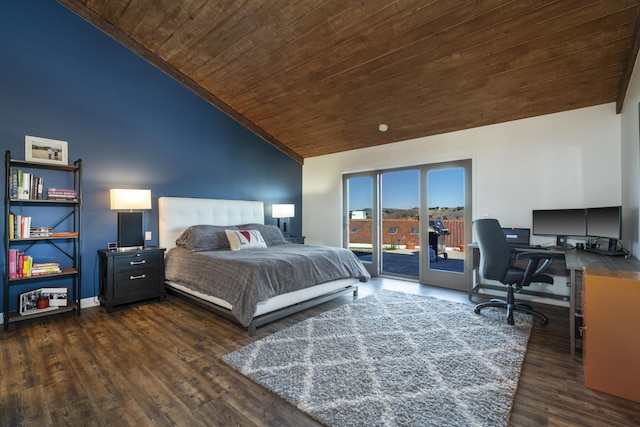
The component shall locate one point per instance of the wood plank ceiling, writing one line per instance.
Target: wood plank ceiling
(315, 77)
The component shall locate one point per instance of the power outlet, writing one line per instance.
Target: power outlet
(147, 235)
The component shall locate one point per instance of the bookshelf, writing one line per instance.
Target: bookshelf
(42, 231)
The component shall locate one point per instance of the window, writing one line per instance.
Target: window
(393, 230)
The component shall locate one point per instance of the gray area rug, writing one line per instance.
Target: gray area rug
(394, 359)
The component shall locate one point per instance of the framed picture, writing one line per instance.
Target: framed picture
(45, 150)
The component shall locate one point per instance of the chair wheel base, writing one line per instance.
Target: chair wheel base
(512, 308)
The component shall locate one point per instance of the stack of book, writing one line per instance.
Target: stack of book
(38, 269)
(21, 265)
(25, 186)
(41, 232)
(61, 194)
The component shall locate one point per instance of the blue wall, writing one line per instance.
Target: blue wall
(132, 125)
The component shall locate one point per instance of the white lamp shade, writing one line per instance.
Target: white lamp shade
(283, 211)
(130, 199)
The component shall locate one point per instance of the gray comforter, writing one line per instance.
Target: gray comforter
(243, 278)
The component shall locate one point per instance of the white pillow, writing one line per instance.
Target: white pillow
(245, 239)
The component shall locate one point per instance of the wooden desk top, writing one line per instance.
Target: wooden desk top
(577, 260)
(545, 250)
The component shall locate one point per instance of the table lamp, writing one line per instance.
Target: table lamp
(283, 212)
(130, 224)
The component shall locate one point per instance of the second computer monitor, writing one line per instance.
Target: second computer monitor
(605, 222)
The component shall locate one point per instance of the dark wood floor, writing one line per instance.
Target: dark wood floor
(159, 364)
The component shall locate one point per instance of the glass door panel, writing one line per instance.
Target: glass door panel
(360, 233)
(447, 207)
(400, 229)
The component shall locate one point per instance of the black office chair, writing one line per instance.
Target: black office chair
(496, 263)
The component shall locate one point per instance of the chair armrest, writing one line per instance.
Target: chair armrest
(538, 263)
(534, 255)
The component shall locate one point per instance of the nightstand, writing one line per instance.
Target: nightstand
(131, 276)
(295, 239)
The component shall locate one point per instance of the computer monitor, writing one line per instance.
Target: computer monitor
(560, 223)
(517, 236)
(605, 222)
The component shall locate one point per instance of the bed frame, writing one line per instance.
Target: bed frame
(176, 214)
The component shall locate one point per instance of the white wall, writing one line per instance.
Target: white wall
(563, 160)
(631, 164)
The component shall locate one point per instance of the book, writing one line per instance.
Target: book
(26, 268)
(19, 184)
(13, 194)
(58, 297)
(36, 187)
(26, 186)
(56, 194)
(16, 226)
(25, 227)
(20, 265)
(27, 301)
(13, 263)
(12, 226)
(64, 234)
(68, 198)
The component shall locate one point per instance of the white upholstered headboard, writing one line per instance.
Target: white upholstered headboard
(176, 214)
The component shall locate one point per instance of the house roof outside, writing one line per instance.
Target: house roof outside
(401, 232)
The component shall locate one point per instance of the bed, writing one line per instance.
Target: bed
(255, 285)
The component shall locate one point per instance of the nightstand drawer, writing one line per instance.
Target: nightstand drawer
(138, 261)
(136, 286)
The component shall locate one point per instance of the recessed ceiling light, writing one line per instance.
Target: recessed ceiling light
(382, 127)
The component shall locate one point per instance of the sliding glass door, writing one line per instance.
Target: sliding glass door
(412, 223)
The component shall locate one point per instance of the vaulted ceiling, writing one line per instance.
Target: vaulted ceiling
(315, 77)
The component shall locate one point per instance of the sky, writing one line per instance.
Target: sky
(401, 189)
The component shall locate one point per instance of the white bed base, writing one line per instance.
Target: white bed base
(176, 214)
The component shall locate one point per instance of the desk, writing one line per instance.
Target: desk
(578, 260)
(575, 261)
